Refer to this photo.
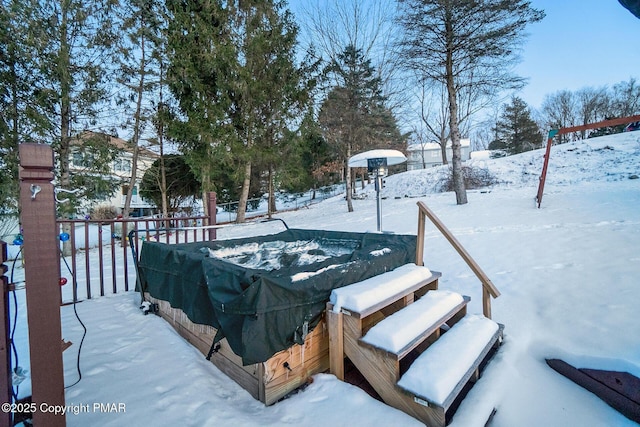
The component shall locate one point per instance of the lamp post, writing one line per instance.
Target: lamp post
(378, 167)
(377, 163)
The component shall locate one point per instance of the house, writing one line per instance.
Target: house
(422, 156)
(82, 157)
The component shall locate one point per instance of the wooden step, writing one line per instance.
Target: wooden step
(438, 375)
(371, 295)
(406, 329)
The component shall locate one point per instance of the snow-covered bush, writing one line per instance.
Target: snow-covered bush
(474, 177)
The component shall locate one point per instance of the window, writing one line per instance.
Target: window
(81, 159)
(122, 165)
(134, 195)
(78, 159)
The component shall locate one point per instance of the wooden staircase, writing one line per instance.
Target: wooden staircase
(385, 323)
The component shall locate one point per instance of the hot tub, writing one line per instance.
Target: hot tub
(265, 294)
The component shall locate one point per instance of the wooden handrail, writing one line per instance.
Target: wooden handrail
(488, 288)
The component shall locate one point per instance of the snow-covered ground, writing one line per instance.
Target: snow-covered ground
(568, 273)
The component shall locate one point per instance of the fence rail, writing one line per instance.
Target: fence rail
(97, 255)
(111, 269)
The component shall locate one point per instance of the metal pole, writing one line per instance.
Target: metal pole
(379, 205)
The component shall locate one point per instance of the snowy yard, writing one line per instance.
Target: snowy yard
(568, 273)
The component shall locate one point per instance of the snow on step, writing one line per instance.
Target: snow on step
(397, 331)
(436, 373)
(362, 295)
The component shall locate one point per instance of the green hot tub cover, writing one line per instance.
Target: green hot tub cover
(265, 293)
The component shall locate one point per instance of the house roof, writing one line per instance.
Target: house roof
(113, 140)
(464, 142)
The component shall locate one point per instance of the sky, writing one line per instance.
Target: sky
(579, 43)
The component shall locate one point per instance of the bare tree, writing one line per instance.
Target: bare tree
(434, 116)
(329, 26)
(560, 111)
(434, 110)
(592, 105)
(463, 44)
(626, 98)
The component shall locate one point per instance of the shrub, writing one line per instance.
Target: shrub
(103, 212)
(473, 178)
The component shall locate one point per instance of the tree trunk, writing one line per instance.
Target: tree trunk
(65, 119)
(163, 181)
(348, 181)
(206, 188)
(456, 158)
(132, 179)
(244, 197)
(443, 151)
(136, 132)
(272, 199)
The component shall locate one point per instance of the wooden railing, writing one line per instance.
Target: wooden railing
(488, 288)
(99, 260)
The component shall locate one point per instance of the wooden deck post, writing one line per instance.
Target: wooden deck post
(42, 274)
(336, 342)
(5, 355)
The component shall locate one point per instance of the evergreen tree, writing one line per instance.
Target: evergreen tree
(16, 71)
(306, 162)
(232, 72)
(515, 129)
(353, 117)
(202, 63)
(53, 63)
(280, 89)
(138, 62)
(181, 182)
(65, 51)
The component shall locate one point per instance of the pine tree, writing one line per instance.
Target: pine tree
(353, 116)
(139, 69)
(232, 72)
(53, 65)
(17, 70)
(516, 131)
(181, 183)
(69, 52)
(202, 63)
(306, 160)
